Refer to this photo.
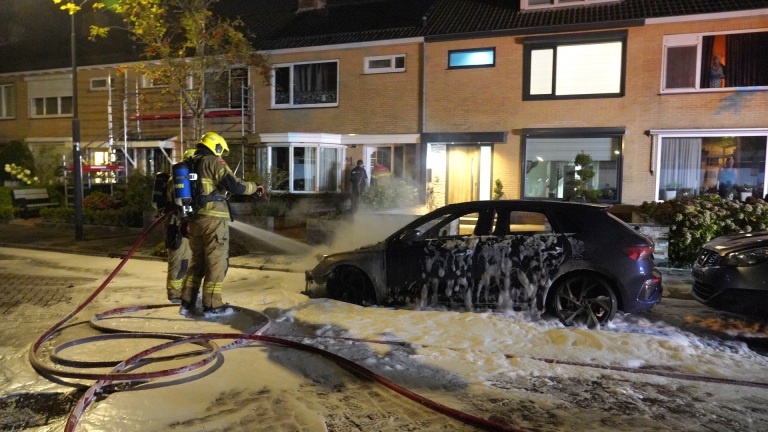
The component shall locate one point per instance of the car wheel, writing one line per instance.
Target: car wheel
(584, 300)
(350, 284)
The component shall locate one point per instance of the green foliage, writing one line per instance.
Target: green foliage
(122, 216)
(136, 193)
(498, 189)
(390, 193)
(274, 208)
(17, 153)
(6, 204)
(275, 179)
(99, 201)
(48, 167)
(582, 181)
(124, 208)
(695, 221)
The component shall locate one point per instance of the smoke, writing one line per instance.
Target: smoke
(362, 228)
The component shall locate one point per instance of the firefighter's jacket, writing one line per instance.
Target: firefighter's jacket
(215, 177)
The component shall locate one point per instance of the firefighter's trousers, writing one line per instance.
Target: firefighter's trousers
(209, 242)
(178, 263)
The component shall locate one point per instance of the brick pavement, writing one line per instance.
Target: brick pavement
(35, 290)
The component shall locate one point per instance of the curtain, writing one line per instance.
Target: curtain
(707, 45)
(315, 77)
(746, 59)
(329, 166)
(681, 162)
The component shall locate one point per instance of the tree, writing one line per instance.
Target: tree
(184, 44)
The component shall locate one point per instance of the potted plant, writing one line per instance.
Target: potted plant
(670, 190)
(581, 183)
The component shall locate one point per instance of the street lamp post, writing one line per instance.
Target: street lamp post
(77, 165)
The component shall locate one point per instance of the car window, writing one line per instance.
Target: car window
(457, 225)
(514, 222)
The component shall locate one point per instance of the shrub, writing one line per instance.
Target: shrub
(695, 221)
(274, 208)
(99, 201)
(136, 193)
(498, 189)
(125, 208)
(390, 193)
(16, 153)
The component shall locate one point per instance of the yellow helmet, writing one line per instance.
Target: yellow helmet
(215, 143)
(189, 154)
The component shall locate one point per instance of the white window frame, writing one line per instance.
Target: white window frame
(4, 95)
(101, 83)
(541, 48)
(290, 147)
(544, 4)
(660, 134)
(290, 103)
(390, 69)
(696, 40)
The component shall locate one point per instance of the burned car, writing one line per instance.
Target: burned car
(731, 274)
(576, 261)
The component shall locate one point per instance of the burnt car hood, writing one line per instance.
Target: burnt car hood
(736, 242)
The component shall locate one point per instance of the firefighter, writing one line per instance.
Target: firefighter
(208, 227)
(176, 243)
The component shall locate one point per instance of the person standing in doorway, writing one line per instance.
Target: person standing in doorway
(380, 173)
(208, 228)
(359, 178)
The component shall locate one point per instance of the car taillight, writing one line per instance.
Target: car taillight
(638, 252)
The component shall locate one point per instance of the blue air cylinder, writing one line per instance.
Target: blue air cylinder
(182, 189)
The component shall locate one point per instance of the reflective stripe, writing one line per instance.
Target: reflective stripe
(212, 288)
(174, 284)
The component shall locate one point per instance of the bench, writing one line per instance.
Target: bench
(30, 200)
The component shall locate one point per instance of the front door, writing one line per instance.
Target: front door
(463, 174)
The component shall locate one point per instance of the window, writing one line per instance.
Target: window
(102, 83)
(149, 81)
(707, 62)
(305, 85)
(473, 58)
(692, 165)
(7, 101)
(550, 156)
(540, 4)
(302, 168)
(227, 90)
(49, 96)
(51, 106)
(385, 64)
(587, 65)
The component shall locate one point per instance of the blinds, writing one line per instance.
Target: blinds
(566, 149)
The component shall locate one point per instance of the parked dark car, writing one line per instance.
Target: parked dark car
(574, 260)
(731, 274)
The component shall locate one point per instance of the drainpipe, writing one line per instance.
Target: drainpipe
(423, 124)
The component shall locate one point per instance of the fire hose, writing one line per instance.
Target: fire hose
(124, 372)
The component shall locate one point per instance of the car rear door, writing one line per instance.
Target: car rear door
(437, 266)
